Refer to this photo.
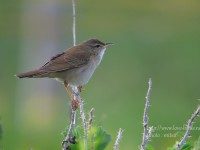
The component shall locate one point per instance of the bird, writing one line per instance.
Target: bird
(74, 67)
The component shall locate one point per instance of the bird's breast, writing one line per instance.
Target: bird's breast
(80, 76)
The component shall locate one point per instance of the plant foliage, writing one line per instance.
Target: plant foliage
(97, 138)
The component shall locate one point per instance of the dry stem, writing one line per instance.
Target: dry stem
(116, 145)
(189, 127)
(90, 118)
(73, 112)
(74, 22)
(69, 138)
(85, 125)
(147, 131)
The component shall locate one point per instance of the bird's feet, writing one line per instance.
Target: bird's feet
(75, 103)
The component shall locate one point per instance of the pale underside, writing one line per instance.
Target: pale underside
(81, 75)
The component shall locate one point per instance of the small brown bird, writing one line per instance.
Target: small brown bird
(74, 67)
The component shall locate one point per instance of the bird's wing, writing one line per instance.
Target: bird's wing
(74, 57)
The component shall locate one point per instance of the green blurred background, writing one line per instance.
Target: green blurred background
(157, 39)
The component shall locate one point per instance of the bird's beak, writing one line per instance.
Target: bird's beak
(107, 44)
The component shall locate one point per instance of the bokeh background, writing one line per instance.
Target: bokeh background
(153, 39)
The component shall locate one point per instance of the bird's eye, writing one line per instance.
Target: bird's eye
(98, 45)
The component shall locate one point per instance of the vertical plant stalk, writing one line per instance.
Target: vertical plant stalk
(77, 93)
(146, 131)
(69, 138)
(119, 136)
(90, 120)
(74, 22)
(189, 127)
(85, 125)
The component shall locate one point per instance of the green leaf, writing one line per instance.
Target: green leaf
(149, 147)
(186, 146)
(100, 137)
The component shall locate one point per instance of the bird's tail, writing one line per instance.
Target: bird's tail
(31, 74)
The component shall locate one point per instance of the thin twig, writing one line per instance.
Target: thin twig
(74, 22)
(77, 97)
(119, 136)
(77, 93)
(90, 118)
(85, 125)
(147, 131)
(69, 138)
(189, 127)
(150, 130)
(82, 113)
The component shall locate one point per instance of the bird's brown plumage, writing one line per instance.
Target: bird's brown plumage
(73, 57)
